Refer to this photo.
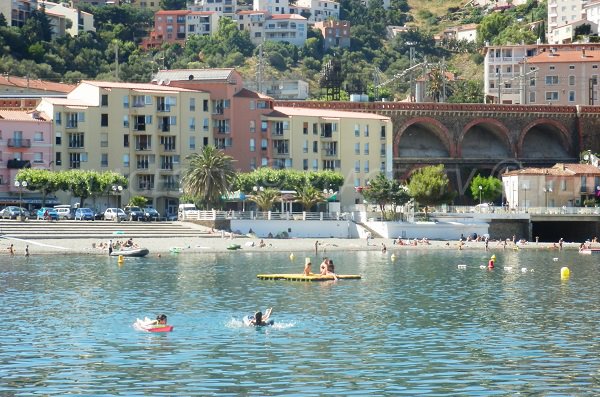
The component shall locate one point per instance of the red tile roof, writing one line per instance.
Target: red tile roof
(35, 84)
(559, 169)
(565, 56)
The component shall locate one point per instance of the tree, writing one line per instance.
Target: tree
(386, 192)
(430, 186)
(209, 175)
(44, 181)
(467, 91)
(265, 198)
(138, 201)
(491, 26)
(491, 188)
(85, 184)
(308, 196)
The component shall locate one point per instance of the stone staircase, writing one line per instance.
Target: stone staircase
(66, 229)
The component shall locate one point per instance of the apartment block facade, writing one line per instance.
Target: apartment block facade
(561, 13)
(335, 33)
(143, 131)
(357, 145)
(58, 15)
(16, 12)
(25, 141)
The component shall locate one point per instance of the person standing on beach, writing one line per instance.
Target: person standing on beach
(11, 249)
(27, 250)
(110, 247)
(368, 238)
(560, 243)
(316, 247)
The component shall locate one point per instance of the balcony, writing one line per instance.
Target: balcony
(18, 143)
(169, 186)
(329, 153)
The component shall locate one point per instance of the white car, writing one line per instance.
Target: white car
(112, 214)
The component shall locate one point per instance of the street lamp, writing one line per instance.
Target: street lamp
(258, 188)
(480, 191)
(117, 189)
(21, 185)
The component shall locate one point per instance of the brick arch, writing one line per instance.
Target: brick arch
(503, 131)
(440, 131)
(564, 133)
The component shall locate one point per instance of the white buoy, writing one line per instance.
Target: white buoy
(292, 256)
(393, 257)
(555, 259)
(508, 268)
(482, 266)
(462, 266)
(524, 270)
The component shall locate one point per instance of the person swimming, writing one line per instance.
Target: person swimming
(161, 320)
(260, 320)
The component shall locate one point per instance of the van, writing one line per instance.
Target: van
(64, 211)
(185, 209)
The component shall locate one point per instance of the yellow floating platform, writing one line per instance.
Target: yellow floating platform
(302, 277)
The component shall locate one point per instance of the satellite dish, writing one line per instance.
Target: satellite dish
(160, 82)
(191, 77)
(167, 81)
(586, 156)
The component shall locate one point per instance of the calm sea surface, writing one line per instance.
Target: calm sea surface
(416, 325)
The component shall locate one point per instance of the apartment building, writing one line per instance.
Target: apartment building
(565, 78)
(169, 27)
(320, 10)
(335, 33)
(355, 144)
(143, 131)
(280, 89)
(16, 12)
(223, 8)
(262, 26)
(507, 73)
(58, 15)
(272, 6)
(237, 114)
(561, 13)
(25, 141)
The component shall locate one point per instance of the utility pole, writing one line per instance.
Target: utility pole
(259, 72)
(116, 61)
(499, 90)
(412, 78)
(443, 70)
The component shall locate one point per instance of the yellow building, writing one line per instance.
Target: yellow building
(143, 131)
(358, 145)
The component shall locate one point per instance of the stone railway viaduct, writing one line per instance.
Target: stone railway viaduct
(480, 138)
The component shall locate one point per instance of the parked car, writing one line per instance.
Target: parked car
(12, 212)
(112, 214)
(151, 214)
(134, 213)
(84, 214)
(47, 213)
(64, 211)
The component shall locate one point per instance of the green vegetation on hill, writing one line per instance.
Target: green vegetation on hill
(113, 52)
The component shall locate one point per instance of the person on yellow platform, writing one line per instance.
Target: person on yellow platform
(307, 265)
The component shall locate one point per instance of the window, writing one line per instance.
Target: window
(357, 166)
(168, 143)
(252, 145)
(305, 128)
(532, 97)
(552, 95)
(366, 148)
(264, 125)
(571, 96)
(38, 136)
(192, 124)
(382, 166)
(58, 157)
(126, 140)
(366, 130)
(571, 80)
(305, 146)
(75, 160)
(104, 100)
(252, 126)
(192, 104)
(571, 67)
(366, 166)
(263, 144)
(315, 165)
(382, 150)
(252, 105)
(382, 132)
(126, 160)
(264, 162)
(532, 81)
(145, 182)
(126, 101)
(356, 130)
(305, 164)
(104, 120)
(583, 183)
(57, 118)
(315, 129)
(58, 138)
(315, 147)
(551, 80)
(76, 140)
(104, 139)
(126, 121)
(143, 142)
(563, 185)
(104, 160)
(38, 157)
(205, 105)
(253, 163)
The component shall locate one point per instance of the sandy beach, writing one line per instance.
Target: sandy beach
(217, 244)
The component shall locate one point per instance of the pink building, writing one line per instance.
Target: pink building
(25, 141)
(335, 33)
(169, 27)
(245, 136)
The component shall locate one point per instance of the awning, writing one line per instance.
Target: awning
(28, 200)
(234, 196)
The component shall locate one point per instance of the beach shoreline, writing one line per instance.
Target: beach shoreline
(217, 244)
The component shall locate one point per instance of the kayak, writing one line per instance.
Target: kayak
(311, 277)
(148, 325)
(248, 322)
(134, 252)
(234, 247)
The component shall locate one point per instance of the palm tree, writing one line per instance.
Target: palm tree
(265, 198)
(309, 196)
(209, 175)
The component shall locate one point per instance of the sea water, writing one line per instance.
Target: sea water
(417, 324)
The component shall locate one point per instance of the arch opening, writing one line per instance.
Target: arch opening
(423, 140)
(485, 140)
(545, 141)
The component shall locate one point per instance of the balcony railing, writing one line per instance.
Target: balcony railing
(18, 143)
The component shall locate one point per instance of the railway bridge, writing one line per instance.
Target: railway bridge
(480, 138)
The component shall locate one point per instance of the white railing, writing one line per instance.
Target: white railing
(469, 209)
(258, 215)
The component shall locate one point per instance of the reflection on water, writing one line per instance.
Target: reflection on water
(414, 325)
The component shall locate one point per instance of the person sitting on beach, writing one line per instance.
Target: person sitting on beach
(262, 244)
(259, 320)
(128, 243)
(383, 248)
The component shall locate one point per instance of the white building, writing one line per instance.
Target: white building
(201, 22)
(281, 89)
(263, 26)
(564, 34)
(592, 11)
(223, 8)
(561, 13)
(320, 10)
(16, 12)
(58, 15)
(272, 6)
